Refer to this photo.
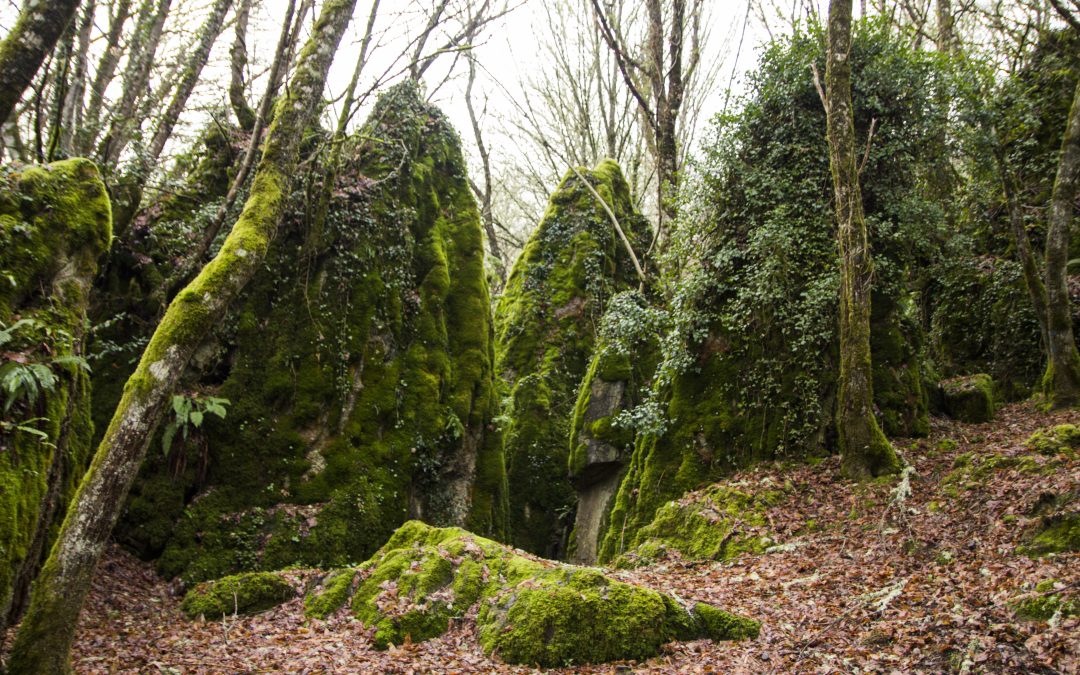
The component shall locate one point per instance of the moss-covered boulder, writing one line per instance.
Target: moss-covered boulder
(545, 327)
(750, 361)
(982, 321)
(969, 398)
(359, 370)
(528, 610)
(717, 523)
(247, 593)
(612, 403)
(55, 222)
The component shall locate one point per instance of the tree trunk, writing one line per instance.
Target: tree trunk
(44, 639)
(144, 44)
(1032, 274)
(245, 116)
(106, 69)
(22, 52)
(864, 450)
(1062, 380)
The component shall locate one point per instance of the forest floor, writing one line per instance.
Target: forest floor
(865, 584)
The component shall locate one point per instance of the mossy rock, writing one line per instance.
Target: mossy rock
(971, 470)
(529, 610)
(359, 363)
(545, 328)
(1042, 603)
(247, 593)
(1063, 439)
(1058, 533)
(55, 222)
(718, 523)
(969, 398)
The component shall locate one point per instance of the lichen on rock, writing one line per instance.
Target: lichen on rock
(528, 610)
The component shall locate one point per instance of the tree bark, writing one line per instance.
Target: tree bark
(245, 116)
(1061, 383)
(864, 450)
(39, 26)
(43, 642)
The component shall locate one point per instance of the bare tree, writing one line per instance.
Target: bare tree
(43, 642)
(658, 79)
(31, 40)
(864, 450)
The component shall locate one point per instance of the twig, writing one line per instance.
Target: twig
(817, 85)
(869, 138)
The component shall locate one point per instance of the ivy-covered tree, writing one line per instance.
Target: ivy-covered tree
(864, 450)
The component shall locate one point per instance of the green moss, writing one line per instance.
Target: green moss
(545, 327)
(55, 222)
(240, 594)
(1042, 603)
(1059, 533)
(1063, 439)
(969, 399)
(527, 610)
(970, 471)
(717, 523)
(359, 364)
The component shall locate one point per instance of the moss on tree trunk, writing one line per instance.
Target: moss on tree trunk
(864, 450)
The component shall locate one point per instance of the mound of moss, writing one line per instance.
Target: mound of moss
(1056, 533)
(1063, 439)
(969, 398)
(359, 369)
(717, 523)
(529, 610)
(55, 222)
(545, 327)
(247, 593)
(1043, 603)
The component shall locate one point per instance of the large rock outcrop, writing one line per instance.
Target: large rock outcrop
(750, 358)
(358, 371)
(545, 328)
(55, 222)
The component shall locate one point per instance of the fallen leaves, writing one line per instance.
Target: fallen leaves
(854, 584)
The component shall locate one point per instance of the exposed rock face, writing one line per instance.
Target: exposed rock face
(358, 368)
(55, 222)
(545, 328)
(529, 610)
(602, 437)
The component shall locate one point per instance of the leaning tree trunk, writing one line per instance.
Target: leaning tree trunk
(44, 639)
(864, 450)
(39, 26)
(1062, 380)
(245, 116)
